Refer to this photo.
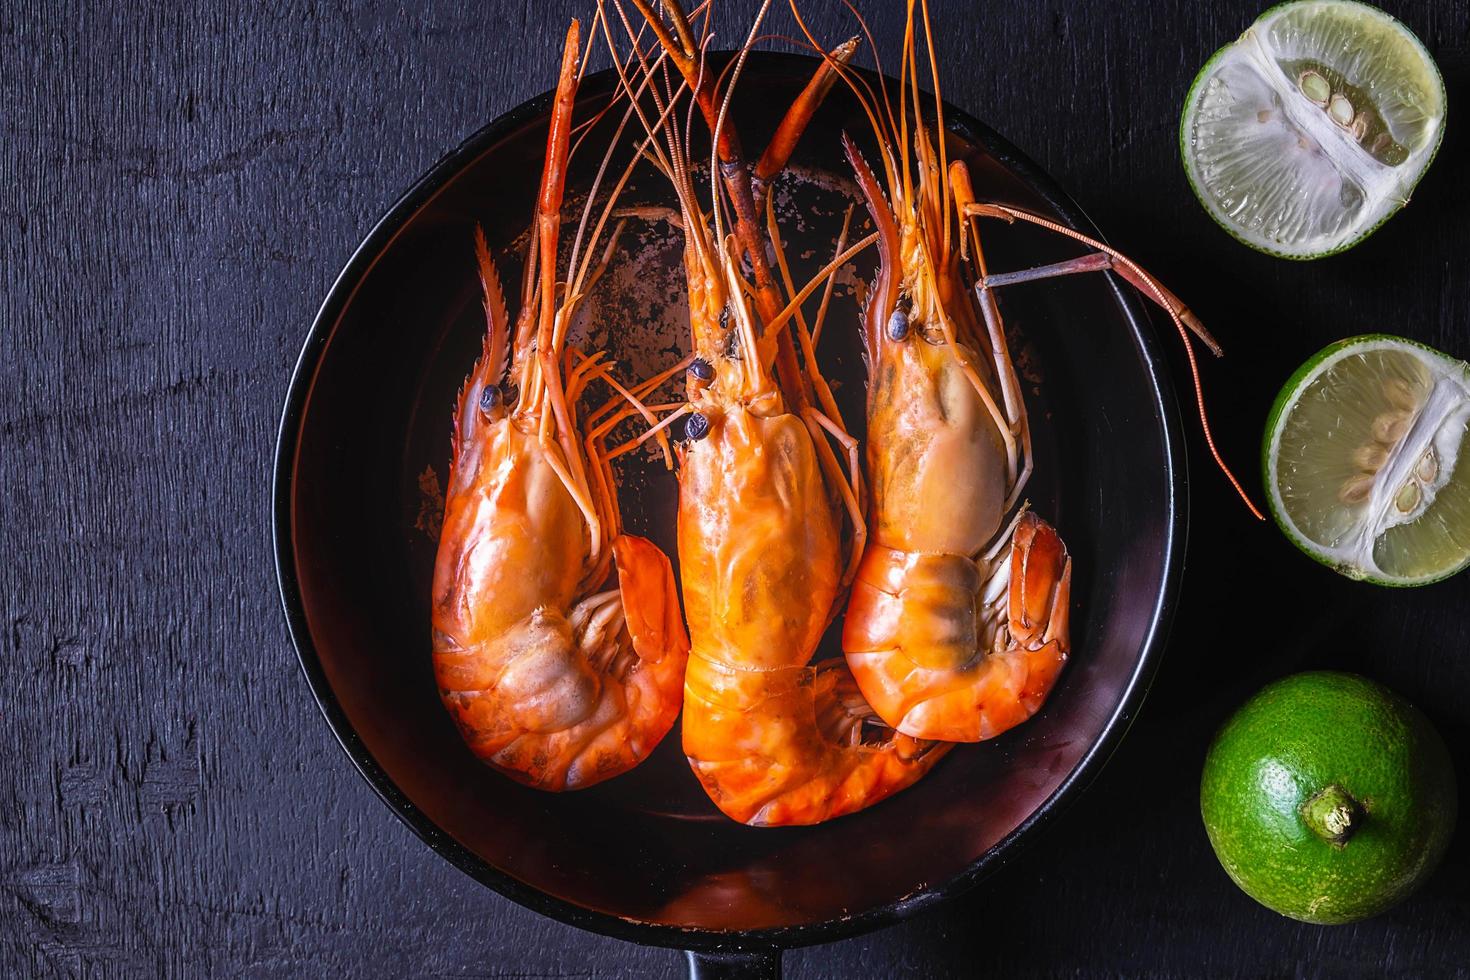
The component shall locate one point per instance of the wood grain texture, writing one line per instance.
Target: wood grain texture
(178, 187)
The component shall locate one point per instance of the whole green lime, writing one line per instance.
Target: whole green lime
(1328, 798)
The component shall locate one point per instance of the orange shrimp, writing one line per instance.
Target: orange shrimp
(772, 738)
(957, 625)
(954, 630)
(554, 676)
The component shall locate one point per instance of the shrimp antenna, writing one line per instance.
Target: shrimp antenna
(737, 181)
(673, 163)
(575, 288)
(720, 119)
(944, 209)
(863, 92)
(877, 61)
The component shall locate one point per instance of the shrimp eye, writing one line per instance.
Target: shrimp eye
(898, 324)
(489, 398)
(697, 427)
(701, 369)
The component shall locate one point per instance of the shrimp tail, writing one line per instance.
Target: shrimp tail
(650, 601)
(794, 745)
(926, 676)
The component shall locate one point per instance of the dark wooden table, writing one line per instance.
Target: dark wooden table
(179, 184)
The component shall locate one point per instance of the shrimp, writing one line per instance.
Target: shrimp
(957, 626)
(554, 676)
(772, 738)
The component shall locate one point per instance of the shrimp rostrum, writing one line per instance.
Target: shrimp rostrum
(557, 642)
(772, 738)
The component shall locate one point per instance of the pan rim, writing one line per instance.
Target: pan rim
(340, 296)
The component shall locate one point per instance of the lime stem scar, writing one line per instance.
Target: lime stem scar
(1333, 815)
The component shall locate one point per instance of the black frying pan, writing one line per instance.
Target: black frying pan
(646, 857)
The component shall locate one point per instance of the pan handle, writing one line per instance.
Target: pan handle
(757, 964)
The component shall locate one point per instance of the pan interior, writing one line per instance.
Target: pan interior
(372, 455)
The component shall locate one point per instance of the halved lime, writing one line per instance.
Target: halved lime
(1308, 132)
(1360, 460)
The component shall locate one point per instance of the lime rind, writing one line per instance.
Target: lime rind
(1325, 733)
(1388, 190)
(1445, 417)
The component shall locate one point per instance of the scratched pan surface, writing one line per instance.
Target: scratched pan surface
(363, 453)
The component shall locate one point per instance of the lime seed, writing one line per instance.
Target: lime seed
(1315, 87)
(1389, 427)
(1370, 457)
(1355, 490)
(1408, 498)
(1401, 395)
